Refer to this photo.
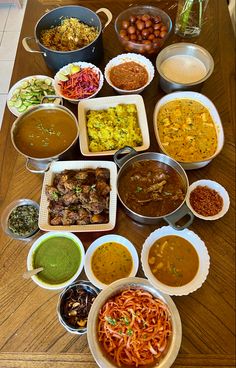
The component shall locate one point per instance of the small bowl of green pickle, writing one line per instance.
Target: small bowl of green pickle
(19, 219)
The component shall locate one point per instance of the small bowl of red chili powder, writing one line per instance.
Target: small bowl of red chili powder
(207, 199)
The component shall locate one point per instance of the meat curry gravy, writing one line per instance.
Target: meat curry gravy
(151, 188)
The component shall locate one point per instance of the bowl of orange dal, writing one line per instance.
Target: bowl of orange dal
(175, 262)
(44, 133)
(188, 128)
(110, 258)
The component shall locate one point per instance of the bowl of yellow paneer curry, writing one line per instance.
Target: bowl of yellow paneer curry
(188, 128)
(175, 262)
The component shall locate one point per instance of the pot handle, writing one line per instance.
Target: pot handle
(37, 167)
(120, 161)
(28, 48)
(178, 215)
(108, 14)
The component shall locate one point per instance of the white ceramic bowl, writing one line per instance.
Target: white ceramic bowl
(197, 243)
(48, 235)
(214, 114)
(103, 103)
(57, 167)
(212, 185)
(106, 239)
(116, 288)
(81, 64)
(17, 86)
(123, 58)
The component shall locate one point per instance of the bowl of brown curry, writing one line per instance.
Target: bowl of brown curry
(43, 133)
(152, 186)
(175, 262)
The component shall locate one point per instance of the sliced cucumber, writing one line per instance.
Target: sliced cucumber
(22, 108)
(30, 93)
(18, 103)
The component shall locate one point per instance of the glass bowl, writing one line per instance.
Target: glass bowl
(8, 211)
(148, 44)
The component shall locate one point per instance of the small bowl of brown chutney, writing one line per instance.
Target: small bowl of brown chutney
(129, 73)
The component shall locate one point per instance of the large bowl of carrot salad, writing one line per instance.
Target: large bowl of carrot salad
(132, 324)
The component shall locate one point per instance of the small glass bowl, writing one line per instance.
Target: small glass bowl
(140, 10)
(83, 285)
(7, 212)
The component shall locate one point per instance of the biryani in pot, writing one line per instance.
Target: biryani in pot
(71, 34)
(113, 128)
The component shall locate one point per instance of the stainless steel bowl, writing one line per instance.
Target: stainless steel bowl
(40, 165)
(184, 48)
(116, 288)
(173, 218)
(84, 285)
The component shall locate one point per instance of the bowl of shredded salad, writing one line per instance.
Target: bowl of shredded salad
(78, 81)
(132, 324)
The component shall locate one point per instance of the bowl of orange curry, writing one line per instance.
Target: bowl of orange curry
(188, 128)
(175, 262)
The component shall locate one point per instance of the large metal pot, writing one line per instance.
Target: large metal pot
(41, 165)
(181, 213)
(57, 59)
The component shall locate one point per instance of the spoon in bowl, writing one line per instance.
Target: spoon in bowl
(28, 274)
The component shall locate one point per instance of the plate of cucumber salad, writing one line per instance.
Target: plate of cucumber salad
(29, 92)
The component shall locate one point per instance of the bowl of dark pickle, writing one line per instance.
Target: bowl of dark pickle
(19, 219)
(74, 305)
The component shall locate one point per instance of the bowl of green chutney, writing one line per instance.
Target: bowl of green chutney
(61, 255)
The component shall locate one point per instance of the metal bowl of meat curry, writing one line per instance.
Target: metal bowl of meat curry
(152, 186)
(43, 133)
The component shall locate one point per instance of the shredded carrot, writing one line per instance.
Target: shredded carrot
(82, 84)
(134, 328)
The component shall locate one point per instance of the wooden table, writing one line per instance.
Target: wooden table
(31, 335)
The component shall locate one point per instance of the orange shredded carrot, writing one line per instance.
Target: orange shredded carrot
(134, 328)
(81, 84)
